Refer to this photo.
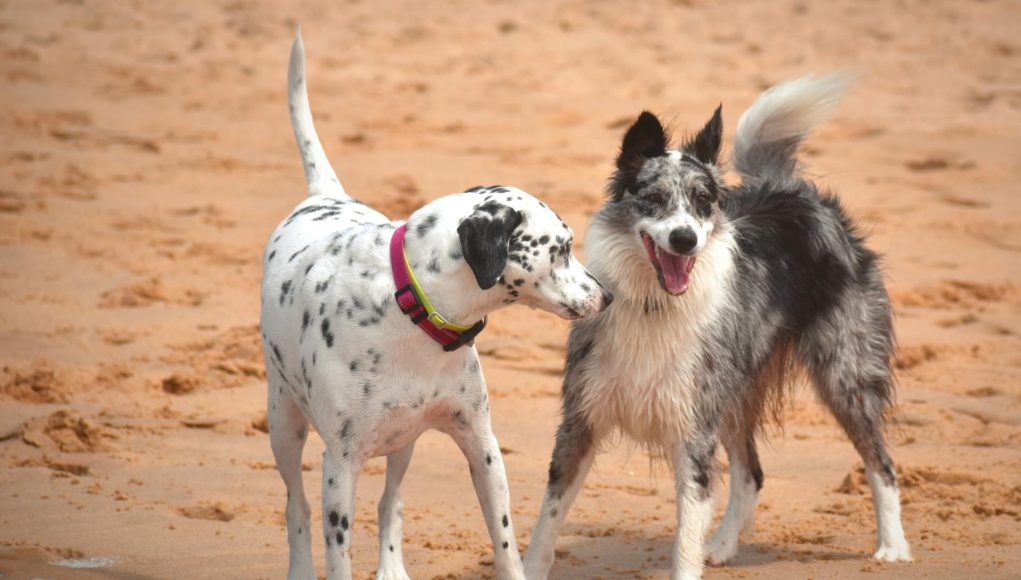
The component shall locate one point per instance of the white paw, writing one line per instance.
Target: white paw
(898, 552)
(719, 550)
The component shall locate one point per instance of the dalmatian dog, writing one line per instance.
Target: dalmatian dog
(352, 348)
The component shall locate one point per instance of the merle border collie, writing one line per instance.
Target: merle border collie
(722, 292)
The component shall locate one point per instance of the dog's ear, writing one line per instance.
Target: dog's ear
(485, 241)
(645, 139)
(705, 146)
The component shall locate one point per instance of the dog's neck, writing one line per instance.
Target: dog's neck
(438, 263)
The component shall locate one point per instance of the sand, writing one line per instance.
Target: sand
(147, 155)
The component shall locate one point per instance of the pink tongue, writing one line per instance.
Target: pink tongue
(675, 272)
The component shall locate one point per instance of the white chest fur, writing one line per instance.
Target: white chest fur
(640, 375)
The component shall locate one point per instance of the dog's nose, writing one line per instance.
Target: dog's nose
(683, 240)
(607, 298)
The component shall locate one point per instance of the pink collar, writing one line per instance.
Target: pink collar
(410, 304)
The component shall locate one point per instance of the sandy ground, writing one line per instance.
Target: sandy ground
(146, 156)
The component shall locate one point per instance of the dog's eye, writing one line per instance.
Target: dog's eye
(655, 197)
(703, 201)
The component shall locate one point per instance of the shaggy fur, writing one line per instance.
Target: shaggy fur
(721, 293)
(341, 356)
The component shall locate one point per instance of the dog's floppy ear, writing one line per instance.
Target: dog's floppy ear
(646, 138)
(705, 146)
(485, 241)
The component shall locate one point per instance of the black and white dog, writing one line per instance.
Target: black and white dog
(720, 291)
(342, 355)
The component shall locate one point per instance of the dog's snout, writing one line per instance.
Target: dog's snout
(683, 240)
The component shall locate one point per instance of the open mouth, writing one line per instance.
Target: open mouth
(673, 271)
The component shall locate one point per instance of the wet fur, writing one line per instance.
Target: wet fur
(783, 281)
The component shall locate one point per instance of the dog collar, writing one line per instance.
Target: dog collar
(413, 302)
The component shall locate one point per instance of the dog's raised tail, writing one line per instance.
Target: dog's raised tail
(769, 132)
(318, 172)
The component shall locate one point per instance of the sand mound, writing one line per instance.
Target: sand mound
(214, 511)
(36, 383)
(147, 293)
(67, 431)
(226, 360)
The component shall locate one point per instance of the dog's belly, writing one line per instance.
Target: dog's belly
(400, 427)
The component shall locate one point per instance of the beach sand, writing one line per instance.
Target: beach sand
(147, 155)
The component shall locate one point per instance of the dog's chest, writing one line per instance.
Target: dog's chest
(639, 376)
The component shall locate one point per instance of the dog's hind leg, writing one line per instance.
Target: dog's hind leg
(573, 454)
(339, 479)
(391, 517)
(745, 483)
(848, 358)
(288, 430)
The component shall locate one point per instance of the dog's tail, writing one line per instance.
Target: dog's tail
(318, 172)
(769, 132)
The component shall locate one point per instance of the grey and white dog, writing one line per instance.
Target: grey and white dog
(341, 355)
(720, 292)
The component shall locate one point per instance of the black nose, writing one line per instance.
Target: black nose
(683, 240)
(607, 298)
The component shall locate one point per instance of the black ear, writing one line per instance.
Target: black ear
(485, 241)
(706, 145)
(645, 139)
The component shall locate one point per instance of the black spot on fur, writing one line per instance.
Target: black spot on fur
(296, 254)
(334, 518)
(284, 289)
(506, 522)
(485, 236)
(343, 523)
(327, 334)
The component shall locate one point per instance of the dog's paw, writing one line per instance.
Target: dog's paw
(719, 550)
(392, 573)
(898, 552)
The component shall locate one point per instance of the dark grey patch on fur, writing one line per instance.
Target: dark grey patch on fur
(324, 285)
(427, 224)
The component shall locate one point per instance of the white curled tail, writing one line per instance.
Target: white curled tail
(318, 172)
(769, 132)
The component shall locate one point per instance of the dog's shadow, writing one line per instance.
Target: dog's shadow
(597, 552)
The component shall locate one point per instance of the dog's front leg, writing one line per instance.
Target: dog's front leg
(572, 458)
(391, 517)
(339, 479)
(475, 438)
(693, 472)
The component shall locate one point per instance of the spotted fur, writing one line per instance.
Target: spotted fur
(346, 360)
